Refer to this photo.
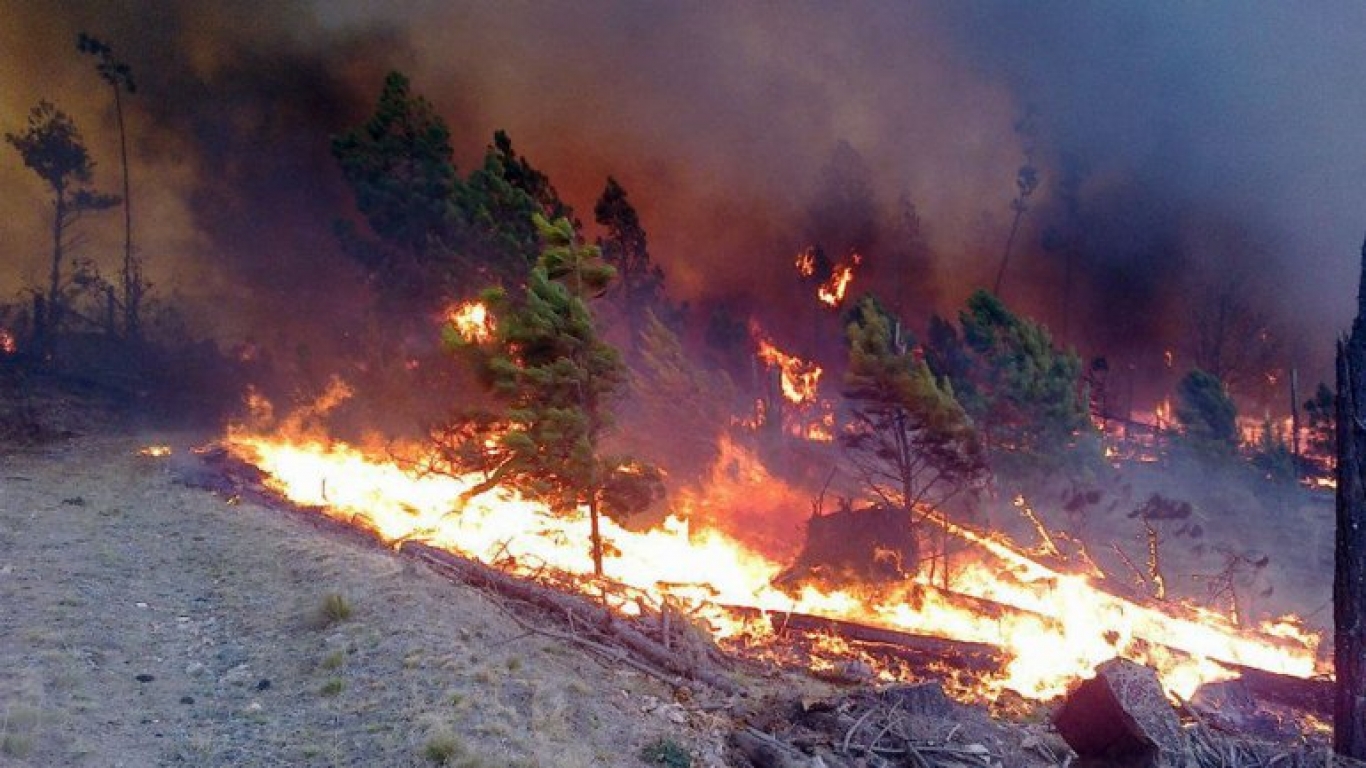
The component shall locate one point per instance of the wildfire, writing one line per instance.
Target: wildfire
(8, 344)
(472, 321)
(1054, 626)
(832, 291)
(806, 262)
(800, 379)
(155, 451)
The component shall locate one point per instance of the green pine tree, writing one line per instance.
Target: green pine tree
(640, 282)
(51, 146)
(557, 381)
(1207, 414)
(1028, 395)
(910, 441)
(401, 169)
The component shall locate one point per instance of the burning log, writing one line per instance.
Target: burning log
(919, 650)
(1121, 718)
(1312, 696)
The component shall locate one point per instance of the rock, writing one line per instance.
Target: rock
(1121, 718)
(919, 699)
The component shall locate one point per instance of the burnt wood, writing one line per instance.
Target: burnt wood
(1349, 575)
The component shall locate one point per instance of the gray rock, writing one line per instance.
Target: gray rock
(1121, 719)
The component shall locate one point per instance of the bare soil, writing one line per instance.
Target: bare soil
(145, 623)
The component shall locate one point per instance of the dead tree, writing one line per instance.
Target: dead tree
(1349, 577)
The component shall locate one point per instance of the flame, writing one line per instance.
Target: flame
(472, 321)
(822, 430)
(8, 344)
(806, 262)
(800, 379)
(1053, 626)
(831, 292)
(1162, 415)
(155, 451)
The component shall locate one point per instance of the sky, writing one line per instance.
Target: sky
(1183, 148)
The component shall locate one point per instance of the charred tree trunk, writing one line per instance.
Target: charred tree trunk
(1295, 420)
(1349, 578)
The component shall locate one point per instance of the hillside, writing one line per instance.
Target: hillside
(147, 623)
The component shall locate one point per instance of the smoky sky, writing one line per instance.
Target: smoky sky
(1179, 145)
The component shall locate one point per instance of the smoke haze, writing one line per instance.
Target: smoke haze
(1179, 146)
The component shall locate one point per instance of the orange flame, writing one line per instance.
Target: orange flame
(1054, 626)
(806, 262)
(832, 291)
(8, 344)
(472, 321)
(800, 379)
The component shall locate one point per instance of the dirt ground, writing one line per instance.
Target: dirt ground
(145, 623)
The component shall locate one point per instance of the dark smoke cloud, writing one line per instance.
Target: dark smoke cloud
(1200, 141)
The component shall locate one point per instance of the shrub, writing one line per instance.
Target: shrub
(667, 753)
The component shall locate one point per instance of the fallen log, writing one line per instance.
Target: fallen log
(1312, 695)
(765, 751)
(917, 649)
(583, 615)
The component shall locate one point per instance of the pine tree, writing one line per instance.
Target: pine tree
(520, 173)
(557, 379)
(53, 148)
(640, 282)
(1319, 411)
(402, 172)
(1206, 412)
(909, 441)
(499, 200)
(1027, 394)
(120, 79)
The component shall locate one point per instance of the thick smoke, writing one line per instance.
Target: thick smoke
(1179, 146)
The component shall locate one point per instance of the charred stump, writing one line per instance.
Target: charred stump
(1349, 575)
(873, 545)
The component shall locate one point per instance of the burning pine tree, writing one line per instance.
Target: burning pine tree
(545, 361)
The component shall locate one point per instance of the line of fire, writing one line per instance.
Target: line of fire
(852, 481)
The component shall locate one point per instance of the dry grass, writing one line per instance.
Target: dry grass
(367, 654)
(335, 609)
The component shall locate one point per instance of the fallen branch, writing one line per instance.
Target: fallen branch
(610, 630)
(917, 649)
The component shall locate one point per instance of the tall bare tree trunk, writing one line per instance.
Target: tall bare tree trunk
(54, 289)
(1349, 577)
(132, 272)
(1295, 420)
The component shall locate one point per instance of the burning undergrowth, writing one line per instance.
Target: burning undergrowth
(1008, 619)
